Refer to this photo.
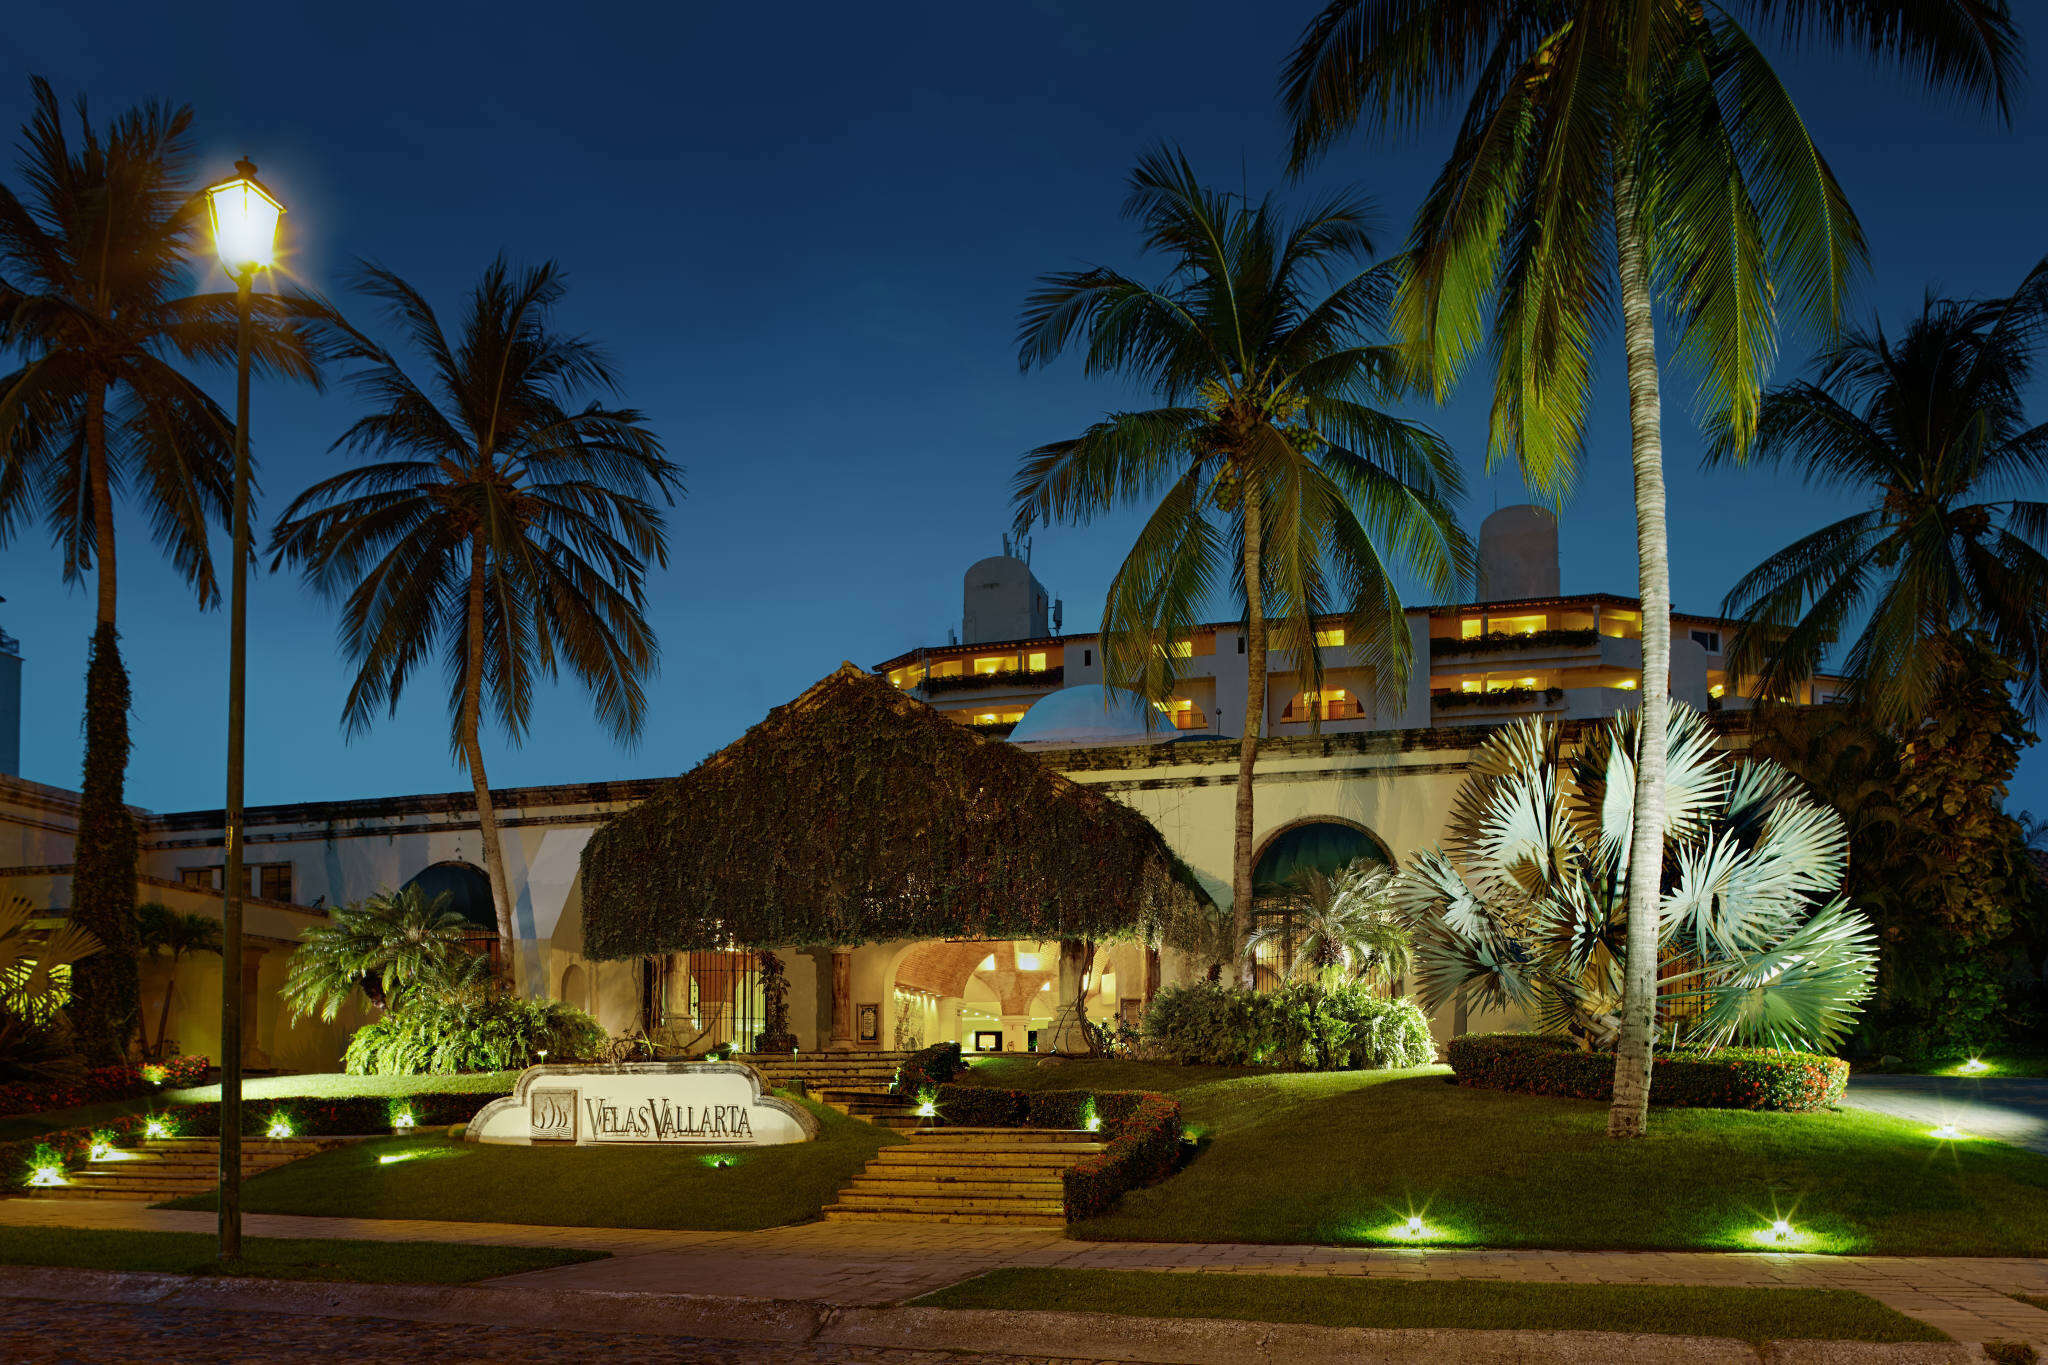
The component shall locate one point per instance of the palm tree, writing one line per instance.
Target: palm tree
(499, 524)
(163, 932)
(1930, 430)
(1641, 154)
(1341, 927)
(1527, 903)
(384, 947)
(93, 278)
(1268, 468)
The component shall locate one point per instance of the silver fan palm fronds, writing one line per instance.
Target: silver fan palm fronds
(1343, 926)
(1525, 905)
(35, 965)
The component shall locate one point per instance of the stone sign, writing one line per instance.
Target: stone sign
(713, 1104)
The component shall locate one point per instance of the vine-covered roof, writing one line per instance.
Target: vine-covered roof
(855, 814)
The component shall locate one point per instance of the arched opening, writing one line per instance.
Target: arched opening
(575, 986)
(1319, 844)
(467, 889)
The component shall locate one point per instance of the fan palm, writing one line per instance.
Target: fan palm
(500, 524)
(1631, 153)
(163, 932)
(94, 249)
(1341, 926)
(1527, 903)
(385, 947)
(1269, 468)
(36, 975)
(1931, 429)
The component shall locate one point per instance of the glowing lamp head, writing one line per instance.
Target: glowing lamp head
(244, 221)
(99, 1151)
(1948, 1132)
(156, 1128)
(402, 1120)
(1414, 1226)
(280, 1127)
(47, 1176)
(1781, 1231)
(1974, 1066)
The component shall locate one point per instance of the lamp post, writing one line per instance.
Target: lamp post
(245, 233)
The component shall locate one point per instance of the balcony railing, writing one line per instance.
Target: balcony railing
(1501, 642)
(1299, 712)
(1500, 696)
(1004, 677)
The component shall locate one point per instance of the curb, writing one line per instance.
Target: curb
(1084, 1336)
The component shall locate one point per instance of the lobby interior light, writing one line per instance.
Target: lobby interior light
(245, 219)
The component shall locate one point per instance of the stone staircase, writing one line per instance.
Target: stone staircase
(1004, 1177)
(171, 1168)
(854, 1083)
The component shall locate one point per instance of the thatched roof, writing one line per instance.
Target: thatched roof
(855, 814)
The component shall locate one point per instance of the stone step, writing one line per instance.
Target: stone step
(1000, 1135)
(95, 1192)
(836, 1214)
(933, 1145)
(1050, 1189)
(195, 1160)
(901, 1123)
(951, 1203)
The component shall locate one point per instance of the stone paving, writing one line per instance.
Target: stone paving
(1970, 1298)
(2010, 1108)
(39, 1332)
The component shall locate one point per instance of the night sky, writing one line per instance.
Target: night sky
(804, 232)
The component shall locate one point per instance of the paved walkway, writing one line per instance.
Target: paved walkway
(863, 1263)
(2011, 1108)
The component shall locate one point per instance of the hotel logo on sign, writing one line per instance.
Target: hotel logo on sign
(554, 1115)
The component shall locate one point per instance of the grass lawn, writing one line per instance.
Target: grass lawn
(1348, 1157)
(1992, 1064)
(624, 1186)
(277, 1258)
(1342, 1301)
(316, 1085)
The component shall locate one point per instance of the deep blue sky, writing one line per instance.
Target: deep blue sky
(804, 232)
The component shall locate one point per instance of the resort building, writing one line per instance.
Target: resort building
(1343, 775)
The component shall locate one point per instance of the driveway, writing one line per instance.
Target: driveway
(2012, 1109)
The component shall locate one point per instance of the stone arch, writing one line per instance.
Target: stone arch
(467, 886)
(1288, 838)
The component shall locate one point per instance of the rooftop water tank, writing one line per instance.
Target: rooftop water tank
(1518, 554)
(1001, 600)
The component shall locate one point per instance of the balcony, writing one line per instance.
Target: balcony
(1501, 700)
(1503, 642)
(1301, 712)
(1001, 678)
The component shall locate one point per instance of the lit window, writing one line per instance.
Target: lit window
(1182, 649)
(993, 665)
(1628, 684)
(1716, 690)
(1709, 640)
(1469, 685)
(1471, 629)
(1330, 639)
(1036, 663)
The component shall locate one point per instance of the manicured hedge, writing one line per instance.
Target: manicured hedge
(347, 1116)
(1142, 1131)
(1300, 1026)
(104, 1083)
(927, 1069)
(1727, 1078)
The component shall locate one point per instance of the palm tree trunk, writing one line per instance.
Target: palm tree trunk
(473, 755)
(1248, 745)
(163, 1014)
(106, 1002)
(1630, 1112)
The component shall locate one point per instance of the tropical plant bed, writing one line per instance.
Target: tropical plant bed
(1726, 1078)
(102, 1083)
(1345, 1158)
(624, 1186)
(278, 1258)
(1482, 1305)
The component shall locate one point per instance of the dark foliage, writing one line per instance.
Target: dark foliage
(775, 1002)
(1934, 860)
(104, 1083)
(927, 1069)
(1002, 677)
(1727, 1078)
(106, 988)
(855, 814)
(1500, 642)
(1506, 696)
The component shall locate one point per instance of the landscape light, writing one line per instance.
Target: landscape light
(156, 1127)
(1090, 1120)
(542, 1054)
(100, 1150)
(280, 1127)
(1781, 1231)
(1414, 1226)
(46, 1176)
(396, 1156)
(718, 1161)
(927, 1104)
(402, 1119)
(154, 1074)
(1948, 1132)
(1974, 1066)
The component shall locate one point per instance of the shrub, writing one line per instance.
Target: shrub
(1726, 1078)
(1141, 1132)
(486, 1030)
(927, 1069)
(103, 1083)
(1300, 1026)
(981, 1106)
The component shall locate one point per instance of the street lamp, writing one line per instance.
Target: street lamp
(245, 233)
